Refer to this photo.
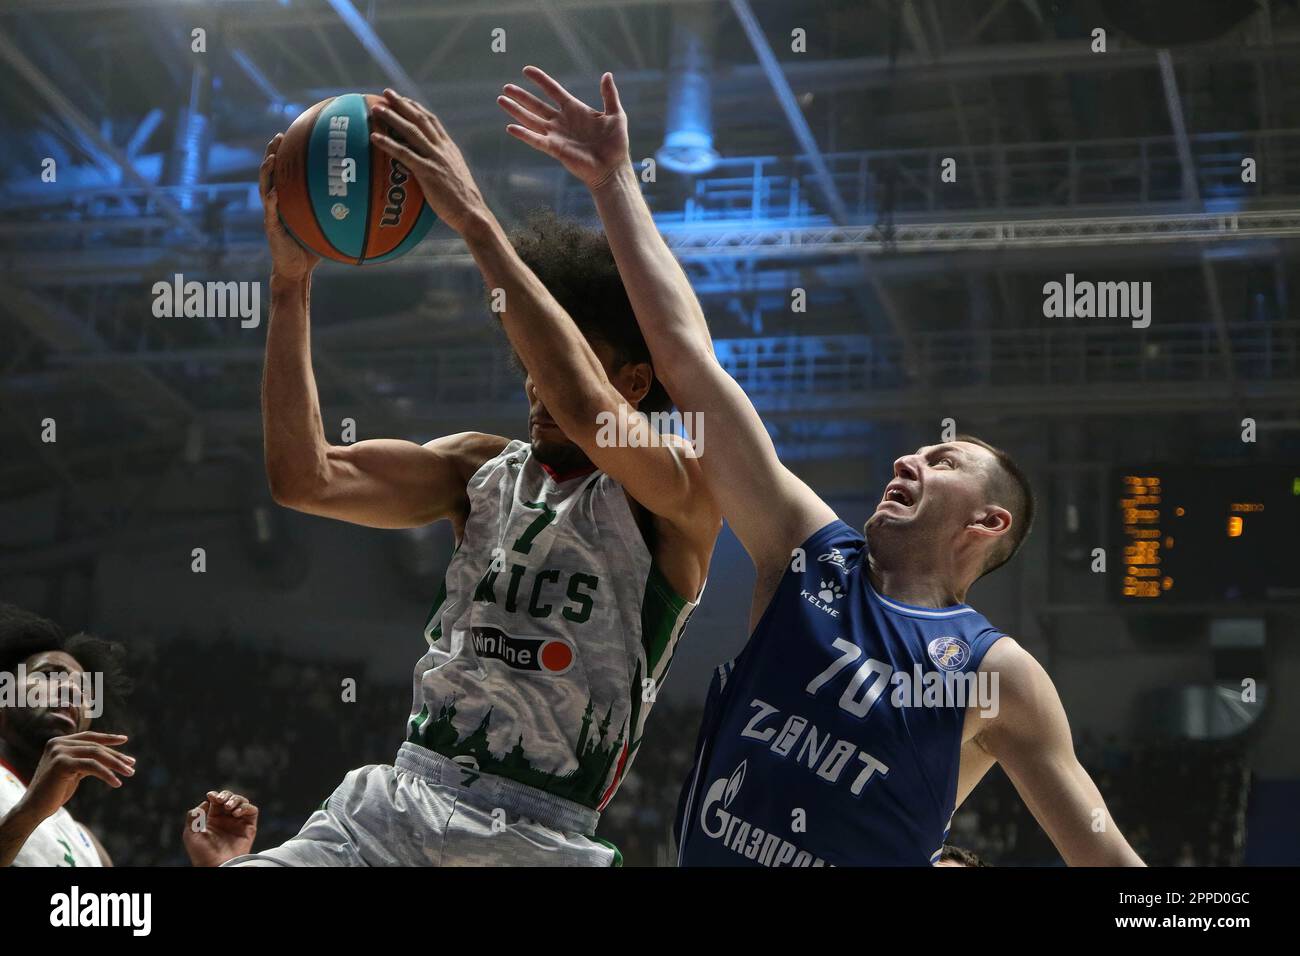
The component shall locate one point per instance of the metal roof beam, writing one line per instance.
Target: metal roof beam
(808, 143)
(397, 76)
(147, 397)
(105, 153)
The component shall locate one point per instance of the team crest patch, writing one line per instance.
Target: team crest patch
(949, 653)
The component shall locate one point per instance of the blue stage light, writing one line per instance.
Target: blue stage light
(688, 141)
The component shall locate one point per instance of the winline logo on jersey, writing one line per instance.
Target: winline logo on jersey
(629, 428)
(545, 655)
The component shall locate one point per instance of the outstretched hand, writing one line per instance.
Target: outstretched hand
(69, 759)
(592, 144)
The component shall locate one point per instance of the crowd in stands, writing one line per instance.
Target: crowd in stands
(234, 715)
(1178, 803)
(284, 731)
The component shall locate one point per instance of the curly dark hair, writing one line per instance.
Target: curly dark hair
(960, 855)
(577, 266)
(23, 634)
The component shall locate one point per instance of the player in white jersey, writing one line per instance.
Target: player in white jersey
(46, 745)
(580, 553)
(52, 687)
(53, 840)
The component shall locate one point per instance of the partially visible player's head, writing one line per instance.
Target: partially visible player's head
(53, 699)
(962, 504)
(958, 856)
(577, 267)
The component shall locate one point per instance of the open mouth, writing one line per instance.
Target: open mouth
(897, 494)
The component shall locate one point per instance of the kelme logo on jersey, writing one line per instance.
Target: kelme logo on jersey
(949, 653)
(545, 655)
(825, 597)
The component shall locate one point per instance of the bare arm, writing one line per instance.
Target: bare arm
(16, 827)
(659, 472)
(566, 373)
(383, 483)
(770, 509)
(1030, 738)
(66, 761)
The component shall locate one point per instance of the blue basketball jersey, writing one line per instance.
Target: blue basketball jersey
(834, 738)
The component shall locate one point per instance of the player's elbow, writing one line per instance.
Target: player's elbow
(692, 364)
(287, 493)
(292, 487)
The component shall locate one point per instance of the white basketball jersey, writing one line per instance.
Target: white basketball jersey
(551, 635)
(58, 841)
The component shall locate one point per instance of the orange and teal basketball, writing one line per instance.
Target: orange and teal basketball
(339, 195)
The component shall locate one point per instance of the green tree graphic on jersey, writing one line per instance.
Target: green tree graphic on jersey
(583, 784)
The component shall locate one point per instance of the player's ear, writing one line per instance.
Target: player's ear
(635, 379)
(993, 520)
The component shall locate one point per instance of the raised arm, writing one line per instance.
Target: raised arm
(770, 509)
(1030, 738)
(383, 483)
(565, 371)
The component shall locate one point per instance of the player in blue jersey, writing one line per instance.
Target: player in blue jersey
(870, 698)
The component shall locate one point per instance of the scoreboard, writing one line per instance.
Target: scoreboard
(1207, 534)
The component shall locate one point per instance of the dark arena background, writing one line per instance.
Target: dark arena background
(872, 199)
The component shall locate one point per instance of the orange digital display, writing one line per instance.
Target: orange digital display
(1206, 534)
(1140, 509)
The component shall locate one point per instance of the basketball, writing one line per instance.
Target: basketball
(358, 507)
(340, 196)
